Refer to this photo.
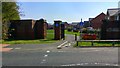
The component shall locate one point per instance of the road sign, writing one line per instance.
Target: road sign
(81, 23)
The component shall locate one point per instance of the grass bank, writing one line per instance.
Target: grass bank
(66, 32)
(49, 39)
(87, 44)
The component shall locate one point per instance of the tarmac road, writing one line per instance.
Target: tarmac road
(61, 57)
(49, 55)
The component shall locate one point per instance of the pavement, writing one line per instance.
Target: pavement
(49, 55)
(3, 49)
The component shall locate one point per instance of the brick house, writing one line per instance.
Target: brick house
(113, 14)
(111, 26)
(97, 21)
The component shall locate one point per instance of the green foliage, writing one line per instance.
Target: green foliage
(10, 11)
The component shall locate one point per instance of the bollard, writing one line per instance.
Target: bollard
(113, 43)
(77, 43)
(75, 37)
(92, 43)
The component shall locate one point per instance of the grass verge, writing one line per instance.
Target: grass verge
(49, 39)
(96, 44)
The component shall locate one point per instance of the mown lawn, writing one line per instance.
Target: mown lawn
(66, 32)
(49, 39)
(72, 33)
(97, 44)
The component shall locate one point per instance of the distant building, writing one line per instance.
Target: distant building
(66, 25)
(50, 26)
(86, 24)
(75, 25)
(97, 21)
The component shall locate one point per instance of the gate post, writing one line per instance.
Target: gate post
(57, 30)
(62, 31)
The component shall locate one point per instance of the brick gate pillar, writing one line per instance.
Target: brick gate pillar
(41, 29)
(57, 30)
(62, 30)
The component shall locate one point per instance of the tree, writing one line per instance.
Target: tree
(10, 11)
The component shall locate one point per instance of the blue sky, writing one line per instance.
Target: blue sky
(64, 11)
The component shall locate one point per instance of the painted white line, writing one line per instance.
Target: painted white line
(90, 64)
(78, 64)
(43, 60)
(62, 44)
(69, 44)
(96, 63)
(45, 55)
(47, 51)
(86, 63)
(61, 51)
(81, 64)
(115, 64)
(18, 48)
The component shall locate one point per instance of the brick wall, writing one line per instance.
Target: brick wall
(23, 29)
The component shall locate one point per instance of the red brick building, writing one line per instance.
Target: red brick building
(113, 14)
(97, 21)
(111, 26)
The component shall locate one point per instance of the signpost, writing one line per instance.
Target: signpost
(81, 26)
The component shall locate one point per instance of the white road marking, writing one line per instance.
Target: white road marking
(47, 51)
(77, 64)
(62, 44)
(96, 63)
(18, 48)
(61, 51)
(115, 64)
(69, 44)
(96, 50)
(86, 63)
(107, 64)
(89, 63)
(45, 55)
(43, 60)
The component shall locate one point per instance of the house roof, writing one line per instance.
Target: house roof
(114, 11)
(97, 16)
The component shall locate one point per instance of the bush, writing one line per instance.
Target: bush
(69, 29)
